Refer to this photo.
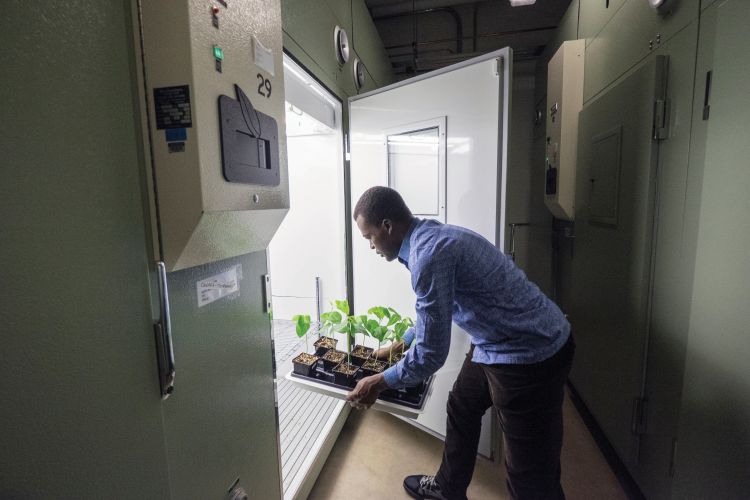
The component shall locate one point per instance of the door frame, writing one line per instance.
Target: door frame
(504, 69)
(349, 259)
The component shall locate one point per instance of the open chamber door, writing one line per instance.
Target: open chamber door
(441, 140)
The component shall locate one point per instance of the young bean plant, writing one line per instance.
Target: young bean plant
(302, 323)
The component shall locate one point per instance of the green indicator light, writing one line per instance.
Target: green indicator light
(218, 53)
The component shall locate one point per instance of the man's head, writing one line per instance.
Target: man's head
(383, 219)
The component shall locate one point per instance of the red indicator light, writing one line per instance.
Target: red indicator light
(214, 10)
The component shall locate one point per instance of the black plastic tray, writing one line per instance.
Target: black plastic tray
(401, 397)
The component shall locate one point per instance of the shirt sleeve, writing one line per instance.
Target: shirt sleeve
(434, 285)
(408, 337)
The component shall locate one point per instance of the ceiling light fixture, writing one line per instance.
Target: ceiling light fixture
(520, 3)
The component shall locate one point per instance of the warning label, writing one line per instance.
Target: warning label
(172, 105)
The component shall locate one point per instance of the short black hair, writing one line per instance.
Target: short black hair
(379, 203)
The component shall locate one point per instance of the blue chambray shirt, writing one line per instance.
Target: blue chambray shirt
(457, 275)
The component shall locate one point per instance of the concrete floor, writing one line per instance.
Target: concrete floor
(401, 450)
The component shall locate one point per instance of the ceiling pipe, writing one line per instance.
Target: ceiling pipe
(474, 27)
(459, 40)
(406, 7)
(485, 35)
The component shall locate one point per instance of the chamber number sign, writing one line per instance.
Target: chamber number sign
(264, 87)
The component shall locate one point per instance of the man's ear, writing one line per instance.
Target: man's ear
(387, 225)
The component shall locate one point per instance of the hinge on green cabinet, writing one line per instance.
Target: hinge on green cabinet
(661, 119)
(707, 97)
(672, 457)
(638, 422)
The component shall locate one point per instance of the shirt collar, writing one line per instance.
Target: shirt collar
(403, 253)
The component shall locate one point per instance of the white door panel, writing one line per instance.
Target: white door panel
(472, 99)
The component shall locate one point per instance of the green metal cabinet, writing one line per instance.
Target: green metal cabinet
(82, 415)
(595, 14)
(311, 31)
(672, 276)
(634, 32)
(713, 449)
(612, 269)
(81, 410)
(308, 36)
(220, 421)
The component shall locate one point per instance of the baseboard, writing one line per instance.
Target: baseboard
(631, 488)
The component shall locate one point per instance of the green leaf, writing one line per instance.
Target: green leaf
(399, 330)
(302, 324)
(395, 318)
(379, 312)
(360, 322)
(343, 306)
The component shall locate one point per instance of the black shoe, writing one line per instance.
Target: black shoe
(423, 488)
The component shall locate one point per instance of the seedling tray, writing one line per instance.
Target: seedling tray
(396, 401)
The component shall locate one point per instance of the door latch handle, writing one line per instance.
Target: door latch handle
(513, 226)
(163, 332)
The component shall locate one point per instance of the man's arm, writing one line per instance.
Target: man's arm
(434, 284)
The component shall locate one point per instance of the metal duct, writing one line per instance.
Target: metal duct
(406, 7)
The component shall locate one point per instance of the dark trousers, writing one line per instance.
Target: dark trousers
(528, 400)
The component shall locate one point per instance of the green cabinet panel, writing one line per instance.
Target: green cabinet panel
(342, 10)
(220, 421)
(595, 14)
(369, 46)
(635, 31)
(713, 447)
(672, 275)
(301, 56)
(312, 31)
(80, 411)
(706, 4)
(615, 210)
(308, 36)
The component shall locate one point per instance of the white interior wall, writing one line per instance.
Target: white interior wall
(311, 240)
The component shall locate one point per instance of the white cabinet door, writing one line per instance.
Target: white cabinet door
(454, 124)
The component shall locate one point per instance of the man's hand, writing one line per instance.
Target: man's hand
(384, 353)
(367, 391)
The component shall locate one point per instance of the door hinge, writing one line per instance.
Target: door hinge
(661, 119)
(672, 457)
(267, 303)
(707, 97)
(638, 422)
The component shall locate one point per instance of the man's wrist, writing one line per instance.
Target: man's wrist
(390, 377)
(381, 384)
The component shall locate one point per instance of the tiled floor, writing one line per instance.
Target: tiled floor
(376, 450)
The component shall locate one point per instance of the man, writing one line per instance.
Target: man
(519, 361)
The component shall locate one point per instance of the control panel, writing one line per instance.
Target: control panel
(214, 105)
(564, 102)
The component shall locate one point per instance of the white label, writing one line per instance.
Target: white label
(263, 57)
(219, 286)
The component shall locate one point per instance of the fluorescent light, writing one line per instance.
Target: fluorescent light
(519, 3)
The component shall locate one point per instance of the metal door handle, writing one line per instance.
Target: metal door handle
(163, 331)
(513, 226)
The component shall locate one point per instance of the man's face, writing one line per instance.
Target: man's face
(381, 237)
